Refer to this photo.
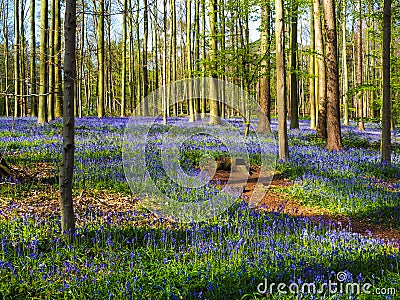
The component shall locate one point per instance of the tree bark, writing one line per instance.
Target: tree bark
(67, 164)
(344, 69)
(386, 110)
(359, 74)
(334, 142)
(265, 76)
(51, 80)
(294, 97)
(100, 63)
(281, 81)
(144, 69)
(321, 126)
(214, 106)
(192, 116)
(43, 68)
(123, 75)
(313, 108)
(58, 93)
(17, 74)
(6, 57)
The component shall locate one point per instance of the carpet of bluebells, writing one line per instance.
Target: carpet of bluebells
(118, 255)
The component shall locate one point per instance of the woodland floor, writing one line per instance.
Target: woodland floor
(276, 201)
(46, 202)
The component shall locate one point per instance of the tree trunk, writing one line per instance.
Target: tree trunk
(164, 59)
(197, 54)
(100, 63)
(145, 75)
(319, 41)
(42, 109)
(58, 93)
(334, 142)
(17, 74)
(344, 69)
(173, 75)
(192, 116)
(359, 74)
(294, 97)
(51, 80)
(6, 65)
(313, 106)
(67, 165)
(203, 56)
(22, 62)
(386, 113)
(214, 106)
(265, 76)
(123, 75)
(281, 81)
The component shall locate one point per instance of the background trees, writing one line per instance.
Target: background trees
(121, 45)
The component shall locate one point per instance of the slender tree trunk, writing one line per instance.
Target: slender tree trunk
(67, 164)
(58, 93)
(51, 90)
(334, 142)
(189, 58)
(265, 76)
(321, 126)
(139, 64)
(359, 79)
(17, 74)
(145, 75)
(386, 113)
(155, 50)
(203, 56)
(164, 59)
(123, 75)
(214, 106)
(109, 87)
(6, 57)
(294, 97)
(344, 69)
(313, 106)
(42, 116)
(197, 53)
(281, 81)
(22, 63)
(100, 63)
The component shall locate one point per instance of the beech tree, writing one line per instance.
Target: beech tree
(281, 81)
(214, 106)
(265, 76)
(332, 78)
(386, 109)
(359, 71)
(42, 108)
(320, 58)
(100, 62)
(67, 164)
(294, 98)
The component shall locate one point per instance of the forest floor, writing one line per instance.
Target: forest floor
(277, 201)
(45, 202)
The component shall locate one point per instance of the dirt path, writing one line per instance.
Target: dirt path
(274, 201)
